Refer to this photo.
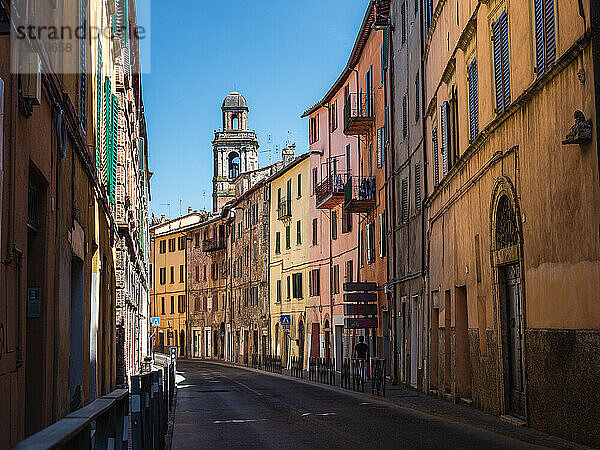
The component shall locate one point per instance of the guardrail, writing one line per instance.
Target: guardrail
(104, 423)
(272, 364)
(378, 381)
(256, 361)
(297, 367)
(321, 370)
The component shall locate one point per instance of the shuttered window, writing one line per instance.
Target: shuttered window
(417, 97)
(418, 187)
(380, 137)
(428, 15)
(296, 285)
(385, 52)
(501, 57)
(445, 137)
(473, 99)
(436, 158)
(334, 220)
(403, 18)
(404, 117)
(382, 235)
(405, 200)
(545, 38)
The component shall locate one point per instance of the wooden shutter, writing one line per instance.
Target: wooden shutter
(403, 15)
(539, 37)
(405, 200)
(381, 252)
(436, 158)
(404, 117)
(311, 280)
(549, 33)
(505, 59)
(497, 55)
(418, 187)
(417, 96)
(444, 119)
(379, 145)
(473, 100)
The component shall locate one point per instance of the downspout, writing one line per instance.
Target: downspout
(595, 40)
(331, 298)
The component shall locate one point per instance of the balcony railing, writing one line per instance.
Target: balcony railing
(284, 209)
(360, 194)
(359, 114)
(213, 244)
(330, 191)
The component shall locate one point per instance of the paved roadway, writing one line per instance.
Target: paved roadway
(228, 407)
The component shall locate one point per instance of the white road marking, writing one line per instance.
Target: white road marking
(327, 414)
(240, 420)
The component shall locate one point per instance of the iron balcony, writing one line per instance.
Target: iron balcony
(360, 194)
(359, 114)
(213, 244)
(284, 209)
(330, 191)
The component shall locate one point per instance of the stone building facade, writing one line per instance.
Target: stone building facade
(513, 210)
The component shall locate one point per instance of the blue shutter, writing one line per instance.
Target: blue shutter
(115, 135)
(436, 158)
(417, 96)
(505, 59)
(404, 117)
(497, 55)
(473, 100)
(549, 32)
(539, 37)
(444, 130)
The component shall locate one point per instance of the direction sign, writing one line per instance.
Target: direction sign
(365, 297)
(155, 321)
(363, 287)
(355, 324)
(170, 335)
(360, 310)
(286, 321)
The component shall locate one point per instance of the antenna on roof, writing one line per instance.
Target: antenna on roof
(204, 199)
(168, 205)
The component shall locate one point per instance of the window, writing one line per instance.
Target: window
(288, 238)
(314, 282)
(247, 256)
(370, 228)
(418, 187)
(313, 132)
(299, 232)
(501, 57)
(444, 118)
(417, 97)
(197, 304)
(428, 15)
(346, 221)
(197, 273)
(361, 246)
(181, 243)
(163, 246)
(334, 233)
(403, 20)
(289, 292)
(436, 160)
(333, 117)
(172, 245)
(297, 285)
(204, 272)
(369, 92)
(315, 179)
(315, 235)
(181, 304)
(278, 297)
(545, 38)
(163, 276)
(473, 100)
(385, 52)
(254, 252)
(382, 235)
(181, 274)
(172, 275)
(349, 272)
(404, 117)
(299, 185)
(204, 304)
(277, 243)
(151, 276)
(162, 301)
(405, 200)
(172, 304)
(197, 237)
(335, 279)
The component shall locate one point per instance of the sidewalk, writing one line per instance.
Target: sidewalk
(409, 398)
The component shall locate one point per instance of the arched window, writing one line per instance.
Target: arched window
(507, 231)
(235, 123)
(234, 165)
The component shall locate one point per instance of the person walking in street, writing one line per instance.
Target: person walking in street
(361, 352)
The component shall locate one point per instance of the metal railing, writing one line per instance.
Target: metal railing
(272, 364)
(104, 423)
(333, 184)
(284, 208)
(256, 361)
(321, 370)
(359, 112)
(378, 376)
(296, 369)
(213, 244)
(362, 189)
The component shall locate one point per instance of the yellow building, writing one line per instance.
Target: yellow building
(289, 257)
(168, 298)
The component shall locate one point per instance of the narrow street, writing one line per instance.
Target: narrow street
(227, 407)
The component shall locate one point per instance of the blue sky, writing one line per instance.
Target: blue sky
(282, 55)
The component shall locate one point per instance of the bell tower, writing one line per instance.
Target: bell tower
(235, 149)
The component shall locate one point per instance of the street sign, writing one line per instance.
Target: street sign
(155, 321)
(34, 303)
(360, 310)
(170, 335)
(356, 324)
(286, 321)
(365, 297)
(362, 287)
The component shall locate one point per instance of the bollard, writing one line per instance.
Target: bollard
(136, 413)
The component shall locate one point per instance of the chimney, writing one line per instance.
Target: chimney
(288, 154)
(189, 209)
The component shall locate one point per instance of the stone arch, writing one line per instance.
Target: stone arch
(233, 160)
(508, 288)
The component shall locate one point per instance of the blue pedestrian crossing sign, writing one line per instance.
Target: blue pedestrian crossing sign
(155, 321)
(286, 321)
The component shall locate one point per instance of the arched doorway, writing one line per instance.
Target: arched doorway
(507, 255)
(327, 331)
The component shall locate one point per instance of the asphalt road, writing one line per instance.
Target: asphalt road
(227, 407)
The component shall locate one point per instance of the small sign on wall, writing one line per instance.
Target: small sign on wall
(34, 303)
